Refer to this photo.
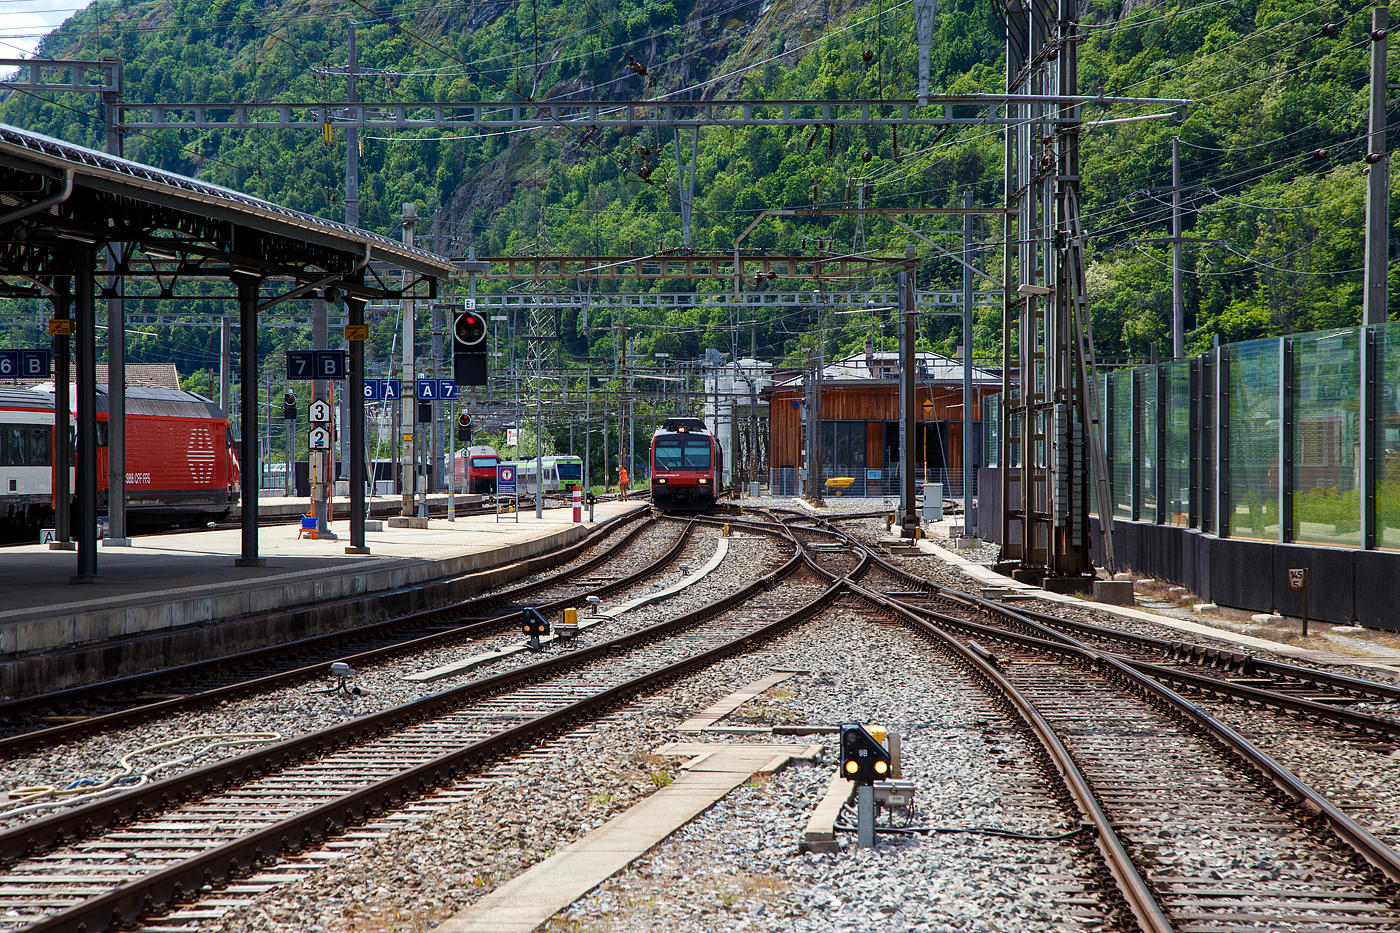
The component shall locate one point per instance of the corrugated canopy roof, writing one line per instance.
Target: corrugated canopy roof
(98, 172)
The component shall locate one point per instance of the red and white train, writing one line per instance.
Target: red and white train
(180, 464)
(687, 466)
(475, 469)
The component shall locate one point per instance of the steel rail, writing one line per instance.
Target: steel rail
(40, 739)
(238, 857)
(1049, 625)
(1197, 682)
(1113, 668)
(1214, 657)
(1360, 840)
(1131, 885)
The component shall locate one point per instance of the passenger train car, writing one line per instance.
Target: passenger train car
(180, 463)
(475, 469)
(687, 465)
(561, 474)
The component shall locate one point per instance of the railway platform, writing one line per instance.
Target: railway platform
(170, 598)
(289, 508)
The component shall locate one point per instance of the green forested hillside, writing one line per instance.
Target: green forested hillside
(1272, 147)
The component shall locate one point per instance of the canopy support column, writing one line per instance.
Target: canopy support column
(87, 419)
(248, 460)
(63, 415)
(356, 309)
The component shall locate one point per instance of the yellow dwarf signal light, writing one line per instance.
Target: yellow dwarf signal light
(726, 529)
(865, 760)
(571, 616)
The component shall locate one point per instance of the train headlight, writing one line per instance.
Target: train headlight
(661, 482)
(704, 480)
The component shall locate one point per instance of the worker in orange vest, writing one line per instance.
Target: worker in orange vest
(622, 481)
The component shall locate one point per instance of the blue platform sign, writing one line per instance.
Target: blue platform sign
(505, 480)
(301, 364)
(34, 364)
(25, 364)
(427, 390)
(381, 390)
(332, 364)
(448, 390)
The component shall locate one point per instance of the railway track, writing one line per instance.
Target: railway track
(43, 722)
(201, 830)
(1162, 781)
(1196, 828)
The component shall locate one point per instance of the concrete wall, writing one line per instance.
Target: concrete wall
(1345, 585)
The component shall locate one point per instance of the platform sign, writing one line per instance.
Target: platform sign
(319, 412)
(301, 364)
(448, 390)
(427, 390)
(34, 364)
(25, 364)
(332, 364)
(319, 438)
(382, 390)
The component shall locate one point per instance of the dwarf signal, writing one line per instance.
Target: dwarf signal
(864, 759)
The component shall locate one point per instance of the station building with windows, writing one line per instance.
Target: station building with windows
(860, 424)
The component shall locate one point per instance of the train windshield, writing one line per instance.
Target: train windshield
(485, 463)
(678, 452)
(571, 469)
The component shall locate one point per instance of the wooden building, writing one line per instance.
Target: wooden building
(860, 423)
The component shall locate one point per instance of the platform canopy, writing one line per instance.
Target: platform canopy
(56, 197)
(72, 217)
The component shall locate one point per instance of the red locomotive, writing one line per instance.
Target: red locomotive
(180, 464)
(475, 469)
(687, 466)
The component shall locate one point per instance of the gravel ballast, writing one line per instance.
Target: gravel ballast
(738, 866)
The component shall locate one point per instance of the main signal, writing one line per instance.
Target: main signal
(468, 348)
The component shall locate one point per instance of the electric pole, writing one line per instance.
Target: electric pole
(409, 399)
(1378, 181)
(1178, 291)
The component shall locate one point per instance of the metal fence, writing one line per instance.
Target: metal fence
(1285, 439)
